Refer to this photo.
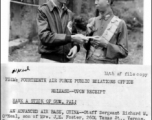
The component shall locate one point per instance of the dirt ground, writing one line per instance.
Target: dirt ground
(29, 53)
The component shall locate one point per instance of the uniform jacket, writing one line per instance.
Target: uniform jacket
(55, 39)
(118, 45)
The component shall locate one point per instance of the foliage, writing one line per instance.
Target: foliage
(129, 11)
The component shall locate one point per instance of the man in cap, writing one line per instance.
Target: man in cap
(110, 36)
(56, 42)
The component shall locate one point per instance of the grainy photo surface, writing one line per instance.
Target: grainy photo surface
(76, 31)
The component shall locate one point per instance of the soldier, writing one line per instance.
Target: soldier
(56, 42)
(110, 41)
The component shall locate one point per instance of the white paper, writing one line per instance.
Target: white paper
(72, 92)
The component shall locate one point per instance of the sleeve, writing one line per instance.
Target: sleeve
(120, 49)
(46, 36)
(71, 18)
(91, 26)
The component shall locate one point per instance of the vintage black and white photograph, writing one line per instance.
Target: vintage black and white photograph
(76, 31)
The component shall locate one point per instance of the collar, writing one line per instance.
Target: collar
(106, 15)
(54, 3)
(51, 4)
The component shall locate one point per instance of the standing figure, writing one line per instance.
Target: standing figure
(56, 42)
(109, 43)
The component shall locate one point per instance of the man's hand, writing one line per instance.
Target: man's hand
(72, 53)
(99, 41)
(79, 38)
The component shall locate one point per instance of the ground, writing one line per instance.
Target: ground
(29, 53)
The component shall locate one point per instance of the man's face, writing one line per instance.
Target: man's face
(101, 5)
